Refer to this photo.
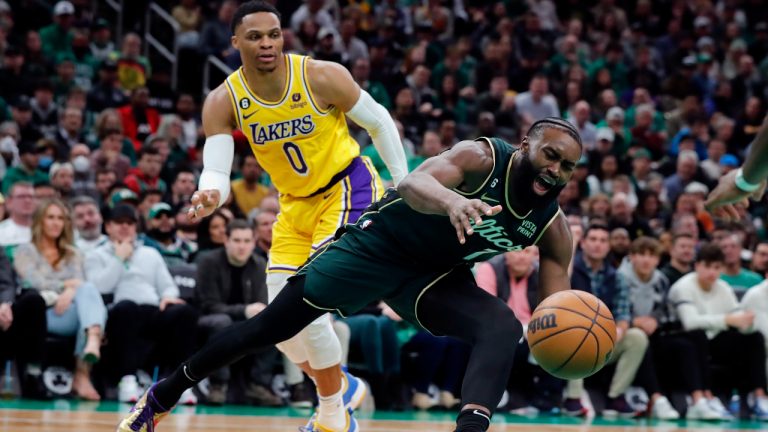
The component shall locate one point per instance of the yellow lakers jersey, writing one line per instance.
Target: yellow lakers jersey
(300, 145)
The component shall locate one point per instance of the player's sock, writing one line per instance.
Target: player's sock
(168, 391)
(472, 420)
(331, 412)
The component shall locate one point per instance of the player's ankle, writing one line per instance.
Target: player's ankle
(331, 412)
(472, 420)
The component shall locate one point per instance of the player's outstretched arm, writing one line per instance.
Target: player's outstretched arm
(748, 181)
(333, 85)
(429, 189)
(555, 252)
(218, 154)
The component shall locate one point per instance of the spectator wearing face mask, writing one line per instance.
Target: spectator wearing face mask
(83, 184)
(62, 178)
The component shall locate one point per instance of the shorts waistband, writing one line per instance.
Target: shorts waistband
(356, 162)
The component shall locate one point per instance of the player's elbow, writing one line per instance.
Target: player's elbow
(406, 185)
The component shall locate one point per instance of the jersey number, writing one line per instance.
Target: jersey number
(296, 159)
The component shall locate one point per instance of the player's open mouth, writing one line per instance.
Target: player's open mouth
(542, 184)
(266, 57)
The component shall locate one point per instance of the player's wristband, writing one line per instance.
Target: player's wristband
(743, 184)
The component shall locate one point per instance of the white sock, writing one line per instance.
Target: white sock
(331, 413)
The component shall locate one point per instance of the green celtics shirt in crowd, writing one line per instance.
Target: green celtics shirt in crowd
(392, 230)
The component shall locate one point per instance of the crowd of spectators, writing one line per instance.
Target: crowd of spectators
(99, 156)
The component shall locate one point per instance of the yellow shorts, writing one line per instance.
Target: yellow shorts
(307, 224)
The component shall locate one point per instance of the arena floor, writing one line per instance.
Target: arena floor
(64, 415)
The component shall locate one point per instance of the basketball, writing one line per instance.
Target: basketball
(571, 334)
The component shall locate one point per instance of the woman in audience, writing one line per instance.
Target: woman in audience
(52, 265)
(212, 231)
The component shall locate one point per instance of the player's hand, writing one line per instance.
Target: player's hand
(6, 316)
(464, 213)
(722, 201)
(204, 203)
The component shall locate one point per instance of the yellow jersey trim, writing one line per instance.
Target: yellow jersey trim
(286, 91)
(233, 99)
(373, 173)
(308, 89)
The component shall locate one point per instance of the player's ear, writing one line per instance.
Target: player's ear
(525, 144)
(233, 41)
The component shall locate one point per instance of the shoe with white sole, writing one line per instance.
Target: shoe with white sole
(702, 411)
(717, 406)
(662, 409)
(188, 398)
(128, 390)
(314, 426)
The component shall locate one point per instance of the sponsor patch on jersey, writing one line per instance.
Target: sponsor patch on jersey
(297, 102)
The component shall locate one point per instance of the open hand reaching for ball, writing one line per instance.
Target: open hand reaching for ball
(204, 203)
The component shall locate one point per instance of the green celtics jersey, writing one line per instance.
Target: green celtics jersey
(391, 230)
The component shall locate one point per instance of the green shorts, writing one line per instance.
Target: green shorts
(341, 280)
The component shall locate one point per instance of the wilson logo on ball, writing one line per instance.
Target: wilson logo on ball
(542, 323)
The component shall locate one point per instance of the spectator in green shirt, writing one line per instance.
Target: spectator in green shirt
(734, 273)
(57, 37)
(27, 170)
(361, 72)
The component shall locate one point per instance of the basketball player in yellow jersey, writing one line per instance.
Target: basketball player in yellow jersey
(293, 111)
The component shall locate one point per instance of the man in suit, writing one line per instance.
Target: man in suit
(231, 287)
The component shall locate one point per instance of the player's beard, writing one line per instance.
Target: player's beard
(523, 176)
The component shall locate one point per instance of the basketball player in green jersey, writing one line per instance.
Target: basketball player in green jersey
(414, 248)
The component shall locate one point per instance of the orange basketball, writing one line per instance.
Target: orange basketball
(571, 334)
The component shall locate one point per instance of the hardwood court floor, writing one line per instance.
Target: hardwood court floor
(59, 416)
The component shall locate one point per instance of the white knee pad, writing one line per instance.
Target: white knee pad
(321, 343)
(275, 283)
(317, 343)
(344, 334)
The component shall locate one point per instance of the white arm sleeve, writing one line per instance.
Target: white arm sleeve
(218, 154)
(380, 126)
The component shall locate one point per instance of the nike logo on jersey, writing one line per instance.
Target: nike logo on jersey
(485, 197)
(246, 117)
